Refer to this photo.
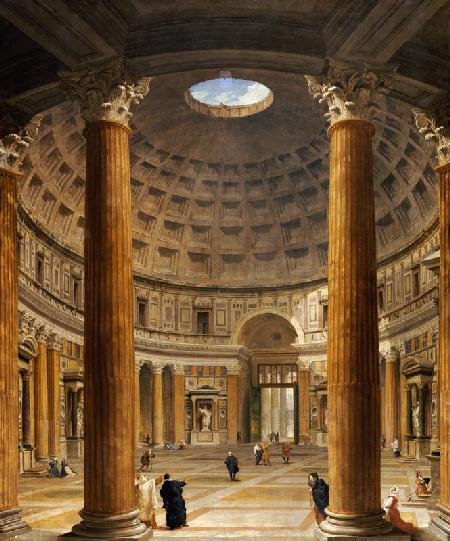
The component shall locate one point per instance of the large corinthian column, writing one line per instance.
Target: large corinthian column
(109, 509)
(439, 135)
(15, 136)
(353, 375)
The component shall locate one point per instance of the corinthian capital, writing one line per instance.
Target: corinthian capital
(349, 93)
(17, 130)
(433, 131)
(106, 93)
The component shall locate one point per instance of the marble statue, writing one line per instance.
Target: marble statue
(206, 418)
(415, 417)
(80, 418)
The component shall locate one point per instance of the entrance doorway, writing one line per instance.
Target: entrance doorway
(278, 412)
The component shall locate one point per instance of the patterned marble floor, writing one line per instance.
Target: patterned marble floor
(270, 503)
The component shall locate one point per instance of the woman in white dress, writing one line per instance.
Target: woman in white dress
(146, 496)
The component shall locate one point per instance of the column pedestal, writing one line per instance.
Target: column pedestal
(11, 522)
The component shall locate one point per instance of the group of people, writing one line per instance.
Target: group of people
(65, 471)
(274, 437)
(173, 501)
(262, 454)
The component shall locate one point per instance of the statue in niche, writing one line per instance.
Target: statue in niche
(80, 418)
(206, 414)
(415, 417)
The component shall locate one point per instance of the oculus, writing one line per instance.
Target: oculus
(227, 97)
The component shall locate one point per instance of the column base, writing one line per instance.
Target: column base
(356, 526)
(394, 535)
(440, 524)
(11, 523)
(124, 527)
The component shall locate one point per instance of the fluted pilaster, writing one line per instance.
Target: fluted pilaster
(233, 404)
(178, 403)
(391, 399)
(41, 404)
(157, 405)
(303, 376)
(54, 401)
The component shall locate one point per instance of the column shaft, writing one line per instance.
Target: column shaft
(283, 413)
(10, 518)
(353, 372)
(303, 405)
(110, 384)
(54, 421)
(41, 403)
(265, 412)
(232, 408)
(138, 405)
(390, 405)
(442, 521)
(178, 407)
(157, 408)
(28, 409)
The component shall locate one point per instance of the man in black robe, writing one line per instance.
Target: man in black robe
(319, 491)
(231, 463)
(172, 496)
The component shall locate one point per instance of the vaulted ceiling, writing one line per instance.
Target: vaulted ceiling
(227, 202)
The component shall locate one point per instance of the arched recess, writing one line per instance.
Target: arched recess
(270, 336)
(236, 336)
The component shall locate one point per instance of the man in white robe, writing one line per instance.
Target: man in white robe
(146, 496)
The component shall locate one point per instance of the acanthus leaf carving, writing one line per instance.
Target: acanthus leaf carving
(432, 131)
(18, 129)
(349, 93)
(105, 93)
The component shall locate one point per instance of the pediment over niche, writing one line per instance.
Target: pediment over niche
(205, 390)
(417, 364)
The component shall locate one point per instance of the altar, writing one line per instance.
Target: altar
(205, 417)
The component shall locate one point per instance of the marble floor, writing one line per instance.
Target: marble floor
(270, 503)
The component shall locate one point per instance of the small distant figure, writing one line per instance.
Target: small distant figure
(66, 470)
(231, 462)
(271, 437)
(146, 496)
(173, 502)
(265, 454)
(395, 447)
(382, 442)
(148, 440)
(422, 483)
(239, 436)
(182, 445)
(53, 470)
(277, 437)
(257, 449)
(170, 446)
(146, 459)
(286, 451)
(393, 514)
(319, 491)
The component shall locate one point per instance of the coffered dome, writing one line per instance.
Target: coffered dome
(231, 201)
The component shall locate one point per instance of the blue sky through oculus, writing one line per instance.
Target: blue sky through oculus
(229, 91)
